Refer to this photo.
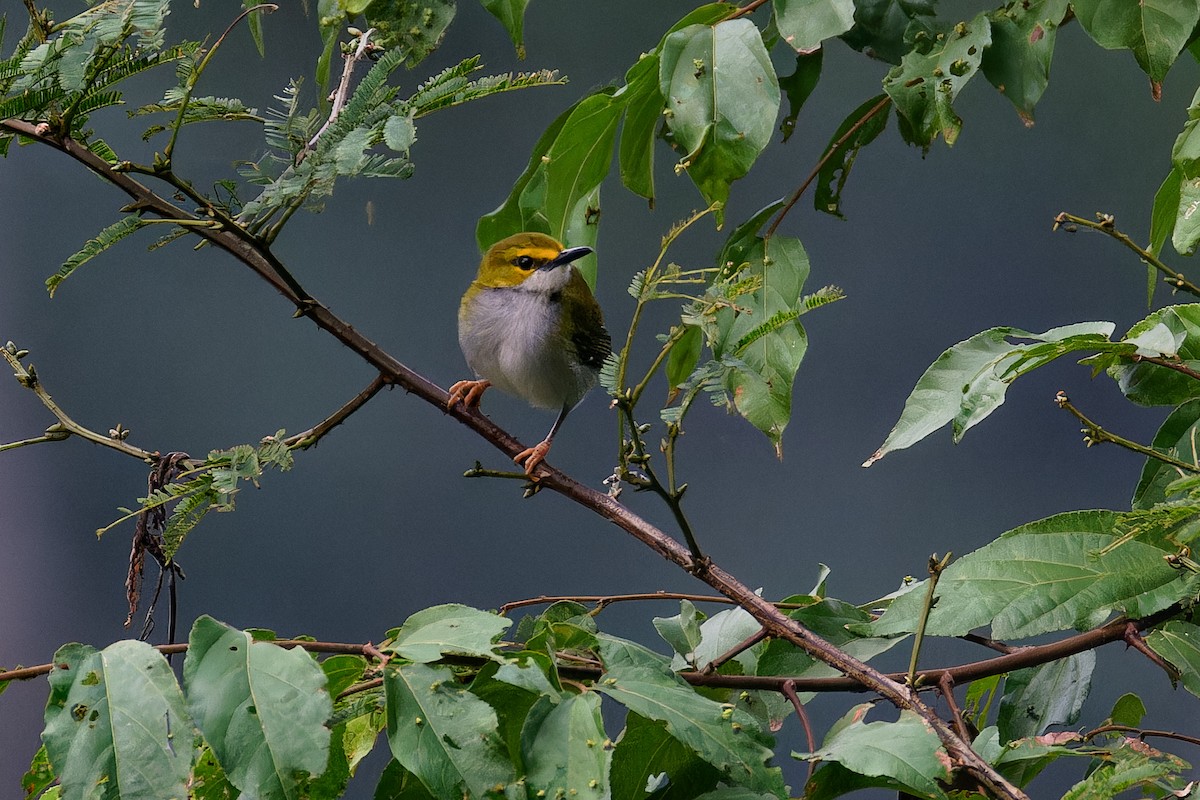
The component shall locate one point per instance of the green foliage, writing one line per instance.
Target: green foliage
(94, 247)
(1017, 62)
(862, 127)
(1155, 32)
(1039, 697)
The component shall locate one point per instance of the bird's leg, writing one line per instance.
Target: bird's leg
(469, 392)
(531, 457)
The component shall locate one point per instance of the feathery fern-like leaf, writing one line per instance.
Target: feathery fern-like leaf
(94, 247)
(776, 321)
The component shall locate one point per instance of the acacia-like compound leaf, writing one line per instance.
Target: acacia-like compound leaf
(722, 99)
(1179, 643)
(563, 748)
(262, 708)
(804, 24)
(444, 734)
(1051, 694)
(726, 737)
(1018, 61)
(931, 75)
(1155, 30)
(433, 632)
(116, 723)
(968, 382)
(94, 247)
(906, 753)
(1069, 571)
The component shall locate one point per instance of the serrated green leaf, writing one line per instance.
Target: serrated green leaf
(442, 733)
(832, 178)
(1018, 61)
(931, 75)
(681, 631)
(728, 738)
(563, 748)
(94, 247)
(116, 723)
(1125, 766)
(433, 632)
(1155, 30)
(722, 98)
(968, 381)
(262, 708)
(1179, 643)
(511, 14)
(1150, 384)
(645, 751)
(804, 24)
(1050, 694)
(906, 751)
(1176, 437)
(1069, 571)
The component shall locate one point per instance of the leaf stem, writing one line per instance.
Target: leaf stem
(1106, 224)
(310, 437)
(936, 567)
(1094, 434)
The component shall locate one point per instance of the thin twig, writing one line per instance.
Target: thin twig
(1094, 434)
(1170, 363)
(602, 600)
(936, 567)
(1133, 638)
(1107, 225)
(946, 690)
(1142, 733)
(788, 690)
(991, 644)
(310, 437)
(28, 378)
(883, 103)
(734, 652)
(342, 92)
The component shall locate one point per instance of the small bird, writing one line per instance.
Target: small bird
(530, 326)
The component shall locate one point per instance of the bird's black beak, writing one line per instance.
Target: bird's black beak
(567, 256)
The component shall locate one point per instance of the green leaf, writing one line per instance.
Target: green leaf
(511, 14)
(722, 100)
(342, 672)
(1018, 61)
(835, 171)
(1128, 710)
(262, 708)
(906, 752)
(1176, 437)
(1126, 767)
(1185, 160)
(725, 737)
(397, 783)
(564, 750)
(759, 341)
(968, 382)
(452, 628)
(1179, 643)
(644, 107)
(116, 723)
(804, 24)
(879, 26)
(94, 247)
(681, 631)
(798, 86)
(399, 133)
(1155, 30)
(1069, 571)
(39, 776)
(645, 751)
(719, 634)
(684, 356)
(1162, 216)
(1154, 385)
(1051, 694)
(930, 76)
(442, 733)
(209, 781)
(254, 24)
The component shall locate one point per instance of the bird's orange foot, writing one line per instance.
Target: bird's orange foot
(469, 392)
(531, 457)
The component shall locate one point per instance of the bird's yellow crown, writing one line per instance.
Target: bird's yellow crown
(510, 261)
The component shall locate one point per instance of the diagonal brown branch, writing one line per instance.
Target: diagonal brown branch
(263, 263)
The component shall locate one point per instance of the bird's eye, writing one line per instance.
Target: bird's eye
(524, 262)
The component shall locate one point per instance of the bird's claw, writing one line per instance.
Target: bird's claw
(468, 392)
(531, 457)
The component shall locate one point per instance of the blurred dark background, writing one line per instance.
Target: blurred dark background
(192, 352)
